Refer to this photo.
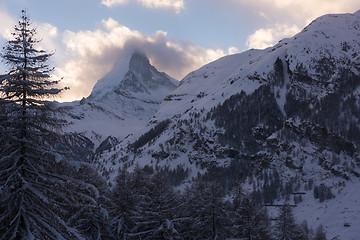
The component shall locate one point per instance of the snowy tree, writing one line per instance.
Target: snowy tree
(238, 194)
(251, 221)
(205, 212)
(156, 218)
(125, 196)
(91, 218)
(306, 233)
(37, 190)
(93, 222)
(286, 226)
(320, 233)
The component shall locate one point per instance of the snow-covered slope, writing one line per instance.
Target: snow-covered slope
(299, 74)
(293, 109)
(327, 44)
(340, 216)
(122, 101)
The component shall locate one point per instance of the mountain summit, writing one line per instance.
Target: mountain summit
(122, 101)
(133, 78)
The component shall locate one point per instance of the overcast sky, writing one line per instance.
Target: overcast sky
(178, 36)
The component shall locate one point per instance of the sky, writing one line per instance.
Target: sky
(178, 36)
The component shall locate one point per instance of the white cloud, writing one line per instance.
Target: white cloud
(266, 37)
(112, 3)
(95, 43)
(6, 28)
(7, 24)
(50, 30)
(91, 54)
(173, 5)
(233, 50)
(299, 12)
(48, 35)
(287, 17)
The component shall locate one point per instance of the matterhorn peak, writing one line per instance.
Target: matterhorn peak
(139, 60)
(133, 77)
(125, 98)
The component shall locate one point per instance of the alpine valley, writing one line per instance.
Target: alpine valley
(284, 121)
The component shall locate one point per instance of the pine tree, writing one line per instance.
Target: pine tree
(93, 222)
(124, 196)
(305, 232)
(286, 226)
(320, 233)
(251, 221)
(238, 195)
(157, 208)
(37, 190)
(91, 218)
(205, 212)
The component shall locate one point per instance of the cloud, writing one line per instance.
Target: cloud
(287, 17)
(233, 50)
(112, 3)
(172, 5)
(7, 23)
(91, 54)
(298, 12)
(6, 26)
(266, 37)
(48, 35)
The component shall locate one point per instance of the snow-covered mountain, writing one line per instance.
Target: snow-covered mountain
(291, 110)
(312, 77)
(134, 84)
(122, 101)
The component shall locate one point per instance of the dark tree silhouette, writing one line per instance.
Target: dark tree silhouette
(251, 221)
(37, 192)
(157, 211)
(286, 226)
(205, 213)
(320, 233)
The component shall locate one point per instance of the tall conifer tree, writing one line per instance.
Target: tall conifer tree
(36, 190)
(251, 221)
(286, 226)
